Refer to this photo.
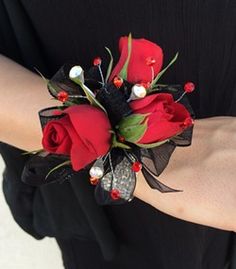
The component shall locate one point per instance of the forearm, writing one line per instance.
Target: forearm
(206, 174)
(205, 171)
(23, 94)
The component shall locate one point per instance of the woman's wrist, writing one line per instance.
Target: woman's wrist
(206, 174)
(24, 93)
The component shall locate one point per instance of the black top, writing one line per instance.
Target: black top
(48, 33)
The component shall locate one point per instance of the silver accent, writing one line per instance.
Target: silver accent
(122, 178)
(138, 91)
(97, 170)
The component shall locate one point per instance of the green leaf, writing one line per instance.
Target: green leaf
(33, 152)
(159, 75)
(152, 145)
(41, 75)
(123, 72)
(69, 103)
(133, 119)
(156, 88)
(121, 145)
(133, 127)
(110, 65)
(90, 96)
(72, 103)
(133, 133)
(57, 167)
(52, 90)
(161, 85)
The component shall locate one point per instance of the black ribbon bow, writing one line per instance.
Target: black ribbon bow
(153, 160)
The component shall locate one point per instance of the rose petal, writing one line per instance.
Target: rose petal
(56, 138)
(81, 156)
(159, 130)
(149, 103)
(138, 71)
(92, 126)
(83, 133)
(166, 117)
(181, 113)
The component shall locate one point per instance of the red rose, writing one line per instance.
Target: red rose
(166, 117)
(138, 70)
(83, 134)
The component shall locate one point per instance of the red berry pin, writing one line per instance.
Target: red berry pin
(189, 87)
(118, 82)
(150, 61)
(94, 180)
(62, 96)
(136, 166)
(97, 61)
(115, 194)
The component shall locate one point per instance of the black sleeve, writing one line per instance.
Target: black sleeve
(8, 42)
(19, 196)
(18, 39)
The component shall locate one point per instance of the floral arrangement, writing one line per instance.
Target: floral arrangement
(117, 124)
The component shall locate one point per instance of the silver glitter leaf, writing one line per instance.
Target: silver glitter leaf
(122, 178)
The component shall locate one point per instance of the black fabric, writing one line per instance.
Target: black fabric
(23, 36)
(18, 196)
(48, 33)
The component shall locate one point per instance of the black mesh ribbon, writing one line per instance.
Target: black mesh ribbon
(61, 82)
(37, 170)
(49, 114)
(153, 160)
(34, 174)
(156, 159)
(112, 99)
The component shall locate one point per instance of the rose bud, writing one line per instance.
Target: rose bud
(165, 118)
(83, 134)
(141, 49)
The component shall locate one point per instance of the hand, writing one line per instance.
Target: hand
(205, 172)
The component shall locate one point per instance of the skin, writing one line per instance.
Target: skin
(206, 174)
(205, 171)
(26, 94)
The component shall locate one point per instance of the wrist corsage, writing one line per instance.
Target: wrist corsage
(113, 125)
